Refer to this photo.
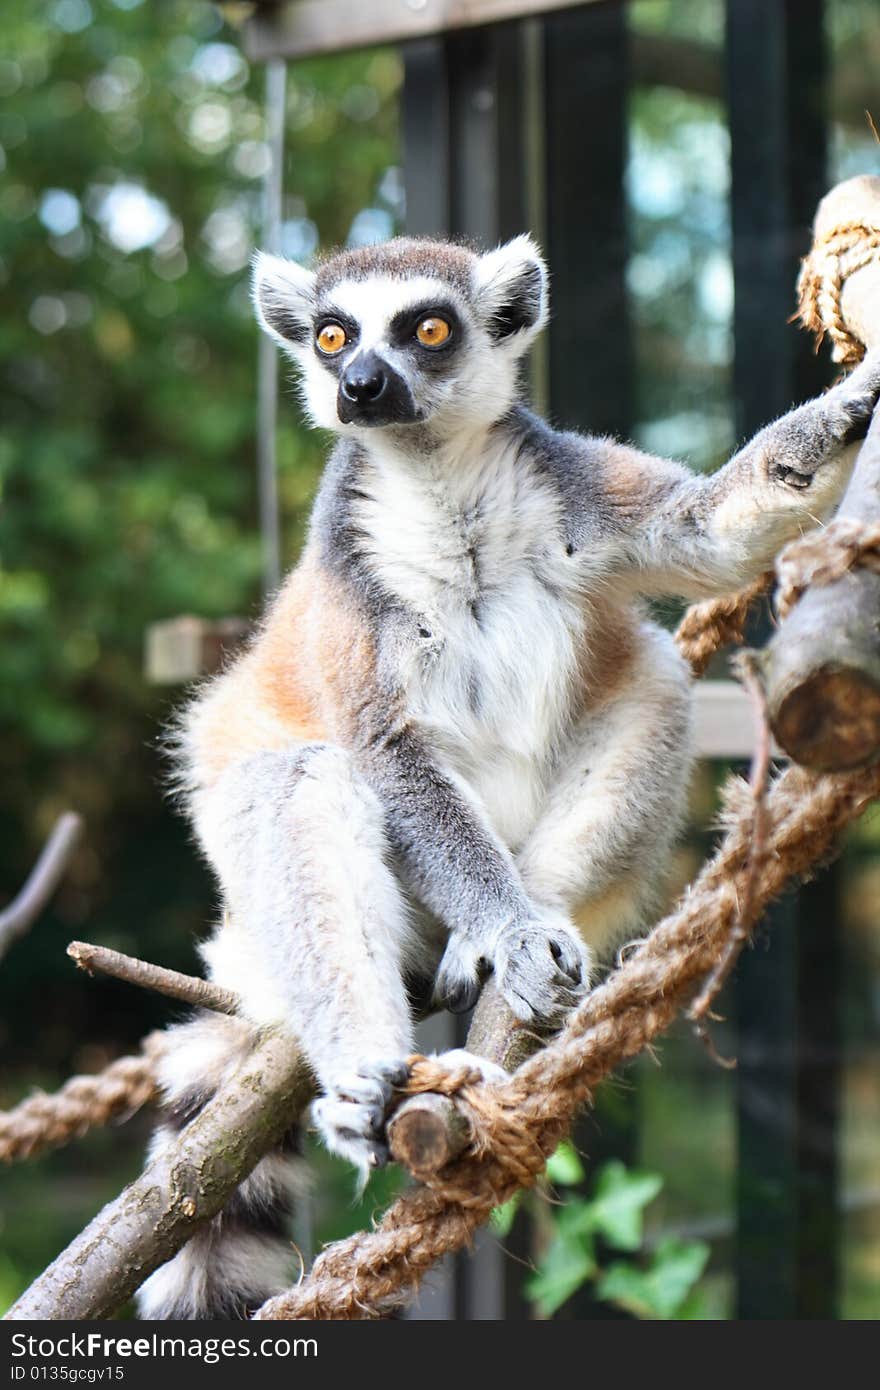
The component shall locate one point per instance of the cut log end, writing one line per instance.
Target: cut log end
(426, 1133)
(830, 722)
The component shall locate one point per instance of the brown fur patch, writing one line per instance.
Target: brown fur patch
(605, 662)
(636, 484)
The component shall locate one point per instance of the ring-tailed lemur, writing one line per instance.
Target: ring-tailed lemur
(457, 743)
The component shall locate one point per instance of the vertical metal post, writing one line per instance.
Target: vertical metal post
(786, 1171)
(586, 84)
(590, 381)
(267, 361)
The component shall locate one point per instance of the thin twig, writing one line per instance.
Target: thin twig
(172, 983)
(23, 911)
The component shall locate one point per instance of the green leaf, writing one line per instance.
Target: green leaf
(564, 1166)
(566, 1264)
(620, 1198)
(503, 1217)
(661, 1290)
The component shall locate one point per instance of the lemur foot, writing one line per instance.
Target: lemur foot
(350, 1117)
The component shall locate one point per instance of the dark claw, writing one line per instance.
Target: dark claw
(462, 997)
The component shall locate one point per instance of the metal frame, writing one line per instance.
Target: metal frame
(302, 28)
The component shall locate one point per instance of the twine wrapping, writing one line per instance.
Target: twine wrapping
(821, 557)
(833, 258)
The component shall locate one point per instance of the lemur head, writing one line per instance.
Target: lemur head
(411, 332)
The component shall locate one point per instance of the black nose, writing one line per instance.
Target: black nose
(364, 380)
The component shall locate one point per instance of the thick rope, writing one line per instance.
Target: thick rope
(839, 254)
(518, 1123)
(707, 627)
(821, 557)
(84, 1102)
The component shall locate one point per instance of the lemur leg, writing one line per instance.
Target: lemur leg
(599, 851)
(317, 933)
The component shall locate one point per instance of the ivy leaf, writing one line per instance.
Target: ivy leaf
(566, 1264)
(661, 1290)
(564, 1166)
(503, 1217)
(615, 1211)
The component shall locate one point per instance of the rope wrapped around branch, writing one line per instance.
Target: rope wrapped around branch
(84, 1102)
(822, 557)
(516, 1125)
(834, 257)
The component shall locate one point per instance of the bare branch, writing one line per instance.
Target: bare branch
(187, 988)
(22, 912)
(187, 1184)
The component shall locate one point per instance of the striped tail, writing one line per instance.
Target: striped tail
(245, 1254)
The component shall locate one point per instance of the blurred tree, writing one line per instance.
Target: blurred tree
(133, 143)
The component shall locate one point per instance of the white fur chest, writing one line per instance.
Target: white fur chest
(475, 550)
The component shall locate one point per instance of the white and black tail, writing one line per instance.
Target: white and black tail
(246, 1253)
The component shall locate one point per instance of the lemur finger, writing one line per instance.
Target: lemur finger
(571, 957)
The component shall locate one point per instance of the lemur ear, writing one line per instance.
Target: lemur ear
(284, 298)
(511, 286)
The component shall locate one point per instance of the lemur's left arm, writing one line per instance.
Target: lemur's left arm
(695, 535)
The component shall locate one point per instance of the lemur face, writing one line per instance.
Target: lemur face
(407, 333)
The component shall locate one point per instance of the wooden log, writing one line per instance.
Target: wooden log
(821, 670)
(426, 1132)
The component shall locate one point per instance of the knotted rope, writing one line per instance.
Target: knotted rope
(836, 256)
(707, 627)
(84, 1102)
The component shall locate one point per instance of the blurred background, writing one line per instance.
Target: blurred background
(133, 160)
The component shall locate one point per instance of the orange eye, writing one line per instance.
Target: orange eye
(332, 338)
(433, 332)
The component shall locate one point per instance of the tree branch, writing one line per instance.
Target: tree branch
(187, 988)
(22, 912)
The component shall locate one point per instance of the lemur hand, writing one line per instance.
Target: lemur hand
(542, 968)
(541, 965)
(796, 446)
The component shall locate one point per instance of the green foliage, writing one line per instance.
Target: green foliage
(661, 1290)
(662, 1286)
